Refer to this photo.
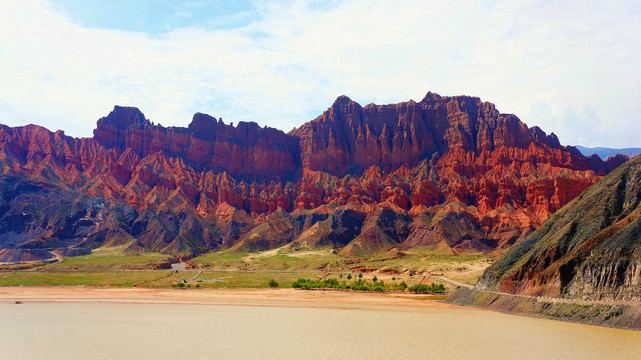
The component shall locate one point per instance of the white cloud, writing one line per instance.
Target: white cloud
(576, 59)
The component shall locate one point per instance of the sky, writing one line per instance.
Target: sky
(569, 67)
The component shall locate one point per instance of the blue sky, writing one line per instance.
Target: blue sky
(570, 67)
(156, 17)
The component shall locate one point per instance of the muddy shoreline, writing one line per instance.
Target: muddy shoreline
(243, 297)
(617, 316)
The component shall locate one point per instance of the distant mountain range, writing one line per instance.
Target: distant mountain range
(447, 173)
(605, 153)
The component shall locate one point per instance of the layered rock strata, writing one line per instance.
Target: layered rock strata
(451, 173)
(590, 249)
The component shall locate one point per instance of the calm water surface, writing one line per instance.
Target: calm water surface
(136, 331)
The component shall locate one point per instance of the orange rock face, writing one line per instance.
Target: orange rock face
(443, 155)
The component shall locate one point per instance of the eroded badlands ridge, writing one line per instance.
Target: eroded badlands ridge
(590, 249)
(450, 173)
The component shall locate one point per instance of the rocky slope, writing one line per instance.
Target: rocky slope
(450, 173)
(38, 218)
(590, 249)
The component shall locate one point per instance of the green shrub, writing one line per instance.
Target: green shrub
(331, 282)
(427, 289)
(358, 285)
(273, 283)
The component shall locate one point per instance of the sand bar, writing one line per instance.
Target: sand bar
(244, 297)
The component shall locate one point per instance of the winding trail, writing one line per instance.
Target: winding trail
(193, 278)
(453, 282)
(540, 298)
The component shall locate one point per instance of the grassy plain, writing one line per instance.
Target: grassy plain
(466, 268)
(113, 258)
(93, 278)
(111, 267)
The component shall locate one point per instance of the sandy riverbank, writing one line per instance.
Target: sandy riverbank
(251, 297)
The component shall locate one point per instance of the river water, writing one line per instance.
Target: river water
(177, 331)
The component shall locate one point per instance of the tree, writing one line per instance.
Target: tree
(273, 283)
(349, 276)
(374, 279)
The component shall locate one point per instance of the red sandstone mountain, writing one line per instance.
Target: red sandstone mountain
(589, 250)
(445, 172)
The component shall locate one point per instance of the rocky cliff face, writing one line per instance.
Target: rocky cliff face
(246, 151)
(450, 173)
(349, 137)
(590, 249)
